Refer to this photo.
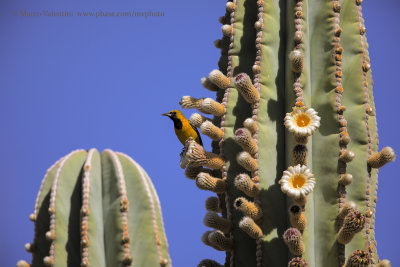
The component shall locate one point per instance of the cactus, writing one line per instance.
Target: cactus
(97, 210)
(301, 196)
(305, 195)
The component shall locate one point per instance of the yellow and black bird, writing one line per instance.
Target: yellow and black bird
(183, 128)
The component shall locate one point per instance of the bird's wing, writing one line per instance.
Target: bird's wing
(198, 134)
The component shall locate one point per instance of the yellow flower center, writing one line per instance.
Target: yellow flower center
(297, 181)
(302, 120)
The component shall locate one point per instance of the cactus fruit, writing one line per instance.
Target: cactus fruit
(97, 210)
(313, 185)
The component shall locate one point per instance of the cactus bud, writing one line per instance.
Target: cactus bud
(256, 68)
(22, 263)
(338, 31)
(50, 235)
(297, 217)
(348, 207)
(246, 88)
(358, 258)
(206, 83)
(246, 185)
(337, 7)
(300, 154)
(214, 221)
(227, 30)
(85, 242)
(258, 25)
(32, 217)
(345, 139)
(196, 156)
(293, 239)
(125, 238)
(29, 247)
(205, 181)
(353, 223)
(127, 260)
(251, 125)
(212, 204)
(219, 79)
(346, 156)
(379, 159)
(197, 119)
(84, 211)
(248, 208)
(298, 37)
(366, 67)
(204, 239)
(362, 30)
(209, 263)
(245, 141)
(245, 160)
(192, 172)
(297, 60)
(191, 102)
(230, 6)
(163, 262)
(346, 179)
(217, 44)
(248, 225)
(218, 239)
(48, 261)
(298, 262)
(212, 131)
(210, 106)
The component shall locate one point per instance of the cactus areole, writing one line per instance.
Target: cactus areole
(297, 136)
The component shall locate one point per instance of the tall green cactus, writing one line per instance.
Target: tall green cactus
(312, 196)
(97, 210)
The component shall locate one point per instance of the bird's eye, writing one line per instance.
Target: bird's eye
(173, 113)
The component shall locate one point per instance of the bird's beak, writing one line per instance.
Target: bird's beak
(166, 114)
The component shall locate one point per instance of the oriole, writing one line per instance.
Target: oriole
(183, 128)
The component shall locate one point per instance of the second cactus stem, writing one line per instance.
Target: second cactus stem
(304, 195)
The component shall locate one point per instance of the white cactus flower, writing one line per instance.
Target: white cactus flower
(302, 121)
(297, 181)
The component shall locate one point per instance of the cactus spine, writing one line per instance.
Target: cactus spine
(86, 214)
(327, 164)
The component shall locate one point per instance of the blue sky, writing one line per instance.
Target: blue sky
(76, 82)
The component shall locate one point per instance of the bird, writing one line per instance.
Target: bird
(183, 128)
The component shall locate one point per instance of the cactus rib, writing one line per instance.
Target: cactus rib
(157, 223)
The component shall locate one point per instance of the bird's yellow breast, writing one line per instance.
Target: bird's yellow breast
(185, 132)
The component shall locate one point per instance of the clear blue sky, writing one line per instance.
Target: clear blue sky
(73, 82)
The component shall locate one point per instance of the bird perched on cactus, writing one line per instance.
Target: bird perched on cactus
(183, 128)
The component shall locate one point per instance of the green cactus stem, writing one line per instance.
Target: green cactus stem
(302, 64)
(97, 210)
